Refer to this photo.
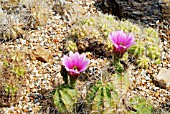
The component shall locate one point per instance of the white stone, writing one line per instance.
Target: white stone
(163, 78)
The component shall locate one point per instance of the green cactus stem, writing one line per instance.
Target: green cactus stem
(69, 81)
(64, 98)
(102, 98)
(141, 106)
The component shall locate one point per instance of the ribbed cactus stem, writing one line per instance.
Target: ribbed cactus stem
(65, 98)
(102, 98)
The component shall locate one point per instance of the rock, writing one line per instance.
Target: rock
(165, 4)
(137, 13)
(163, 78)
(140, 10)
(111, 7)
(41, 54)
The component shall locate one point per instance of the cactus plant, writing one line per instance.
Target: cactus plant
(72, 46)
(153, 52)
(12, 30)
(65, 98)
(151, 33)
(9, 4)
(11, 89)
(137, 49)
(141, 105)
(102, 98)
(143, 61)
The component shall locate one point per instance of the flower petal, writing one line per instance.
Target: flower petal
(84, 65)
(76, 58)
(129, 39)
(121, 36)
(71, 55)
(80, 60)
(113, 37)
(121, 41)
(66, 61)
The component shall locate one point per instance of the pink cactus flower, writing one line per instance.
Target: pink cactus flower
(121, 42)
(75, 63)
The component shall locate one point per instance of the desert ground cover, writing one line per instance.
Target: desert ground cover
(61, 56)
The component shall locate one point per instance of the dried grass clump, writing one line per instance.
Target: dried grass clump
(10, 28)
(36, 12)
(70, 11)
(20, 15)
(12, 77)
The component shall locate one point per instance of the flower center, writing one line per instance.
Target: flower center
(75, 68)
(121, 43)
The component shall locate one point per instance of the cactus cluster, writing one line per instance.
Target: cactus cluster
(93, 31)
(36, 13)
(143, 61)
(147, 48)
(9, 4)
(65, 98)
(101, 25)
(102, 98)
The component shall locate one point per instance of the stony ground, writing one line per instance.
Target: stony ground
(43, 49)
